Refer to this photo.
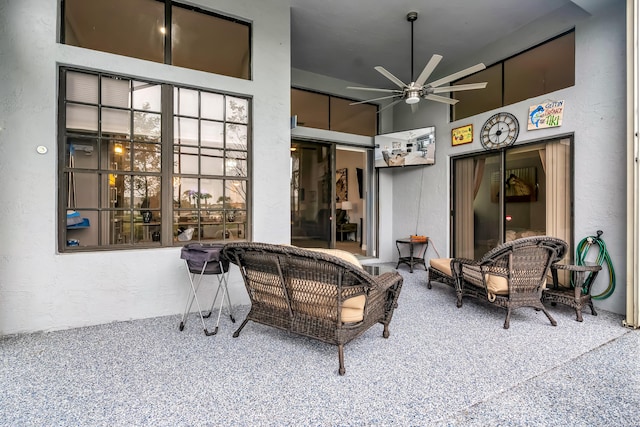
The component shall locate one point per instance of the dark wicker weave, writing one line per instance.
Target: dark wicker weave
(303, 291)
(439, 276)
(525, 263)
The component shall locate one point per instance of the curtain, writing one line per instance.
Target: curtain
(558, 182)
(558, 174)
(467, 182)
(477, 176)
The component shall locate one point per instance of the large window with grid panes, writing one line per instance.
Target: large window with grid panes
(149, 164)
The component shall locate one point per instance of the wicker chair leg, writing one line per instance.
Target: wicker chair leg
(551, 319)
(341, 370)
(385, 331)
(459, 301)
(237, 332)
(579, 314)
(506, 320)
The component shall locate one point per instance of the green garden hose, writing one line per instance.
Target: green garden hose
(603, 256)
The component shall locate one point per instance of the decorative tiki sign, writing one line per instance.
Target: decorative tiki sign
(545, 115)
(462, 135)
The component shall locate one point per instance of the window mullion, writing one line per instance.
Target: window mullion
(167, 165)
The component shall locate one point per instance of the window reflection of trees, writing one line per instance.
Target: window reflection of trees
(218, 156)
(147, 158)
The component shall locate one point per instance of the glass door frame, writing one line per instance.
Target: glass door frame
(370, 207)
(316, 224)
(557, 157)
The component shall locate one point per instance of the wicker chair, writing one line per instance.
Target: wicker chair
(511, 275)
(313, 293)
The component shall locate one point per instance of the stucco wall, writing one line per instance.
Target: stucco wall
(41, 289)
(595, 113)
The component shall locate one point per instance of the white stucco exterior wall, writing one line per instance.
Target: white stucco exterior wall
(595, 114)
(41, 289)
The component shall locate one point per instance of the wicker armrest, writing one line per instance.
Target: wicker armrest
(387, 280)
(456, 264)
(472, 275)
(464, 261)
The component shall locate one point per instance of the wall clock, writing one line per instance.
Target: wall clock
(500, 130)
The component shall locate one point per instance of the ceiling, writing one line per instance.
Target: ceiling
(345, 39)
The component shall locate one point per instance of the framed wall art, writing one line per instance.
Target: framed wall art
(342, 185)
(521, 185)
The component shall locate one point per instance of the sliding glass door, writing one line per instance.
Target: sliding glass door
(311, 194)
(477, 207)
(519, 192)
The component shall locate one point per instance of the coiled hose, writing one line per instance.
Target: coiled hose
(603, 256)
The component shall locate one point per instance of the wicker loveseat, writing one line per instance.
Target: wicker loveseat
(512, 275)
(313, 293)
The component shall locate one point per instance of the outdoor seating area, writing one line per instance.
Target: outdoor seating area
(515, 274)
(511, 275)
(322, 294)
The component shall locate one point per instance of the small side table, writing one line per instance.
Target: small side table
(349, 227)
(415, 257)
(578, 296)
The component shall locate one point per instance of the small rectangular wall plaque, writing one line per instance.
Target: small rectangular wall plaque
(462, 135)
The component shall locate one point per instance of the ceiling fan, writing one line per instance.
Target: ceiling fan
(412, 93)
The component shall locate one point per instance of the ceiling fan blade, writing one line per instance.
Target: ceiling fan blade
(374, 99)
(414, 107)
(390, 76)
(389, 105)
(458, 75)
(373, 89)
(443, 99)
(455, 88)
(428, 69)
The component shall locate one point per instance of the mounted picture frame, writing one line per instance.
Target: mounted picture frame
(521, 185)
(342, 185)
(462, 135)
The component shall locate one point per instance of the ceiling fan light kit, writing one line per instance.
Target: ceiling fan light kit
(413, 97)
(418, 88)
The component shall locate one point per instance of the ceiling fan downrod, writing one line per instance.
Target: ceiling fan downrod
(412, 17)
(412, 93)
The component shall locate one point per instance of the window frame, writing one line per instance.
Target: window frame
(168, 34)
(166, 209)
(329, 97)
(503, 89)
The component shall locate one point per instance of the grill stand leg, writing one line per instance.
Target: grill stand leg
(222, 284)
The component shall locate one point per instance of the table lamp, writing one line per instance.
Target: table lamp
(347, 206)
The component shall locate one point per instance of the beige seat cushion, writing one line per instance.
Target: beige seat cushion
(498, 285)
(441, 264)
(343, 255)
(352, 308)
